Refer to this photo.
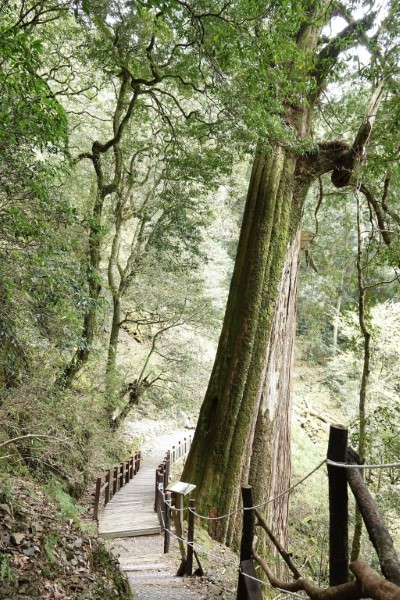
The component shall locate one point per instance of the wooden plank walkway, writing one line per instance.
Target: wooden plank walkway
(131, 511)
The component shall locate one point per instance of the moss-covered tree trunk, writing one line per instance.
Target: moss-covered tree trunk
(243, 432)
(243, 429)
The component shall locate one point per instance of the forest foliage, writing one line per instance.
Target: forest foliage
(126, 133)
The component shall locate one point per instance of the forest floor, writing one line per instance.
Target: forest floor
(44, 555)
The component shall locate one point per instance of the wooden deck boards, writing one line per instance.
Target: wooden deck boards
(131, 511)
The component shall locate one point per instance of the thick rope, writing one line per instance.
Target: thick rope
(356, 466)
(234, 512)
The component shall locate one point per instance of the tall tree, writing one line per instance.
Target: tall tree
(243, 433)
(150, 55)
(37, 224)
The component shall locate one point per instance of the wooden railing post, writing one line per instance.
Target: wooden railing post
(138, 461)
(167, 522)
(127, 471)
(190, 539)
(165, 475)
(168, 465)
(338, 507)
(159, 495)
(156, 491)
(247, 537)
(107, 490)
(115, 481)
(97, 499)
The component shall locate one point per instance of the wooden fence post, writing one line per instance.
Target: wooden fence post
(168, 465)
(97, 499)
(167, 522)
(107, 490)
(338, 507)
(159, 496)
(247, 537)
(190, 539)
(114, 481)
(156, 492)
(127, 468)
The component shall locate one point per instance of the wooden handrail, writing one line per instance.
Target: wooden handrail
(113, 480)
(368, 583)
(163, 471)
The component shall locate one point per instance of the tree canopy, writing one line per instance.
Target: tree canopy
(127, 131)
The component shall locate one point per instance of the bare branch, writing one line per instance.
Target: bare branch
(34, 435)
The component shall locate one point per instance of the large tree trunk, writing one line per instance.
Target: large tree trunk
(242, 435)
(271, 447)
(243, 430)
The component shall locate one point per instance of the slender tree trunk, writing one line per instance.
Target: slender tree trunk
(114, 334)
(94, 287)
(104, 189)
(336, 322)
(362, 408)
(115, 282)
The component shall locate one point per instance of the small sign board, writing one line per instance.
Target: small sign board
(180, 487)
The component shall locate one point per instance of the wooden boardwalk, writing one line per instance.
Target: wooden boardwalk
(131, 511)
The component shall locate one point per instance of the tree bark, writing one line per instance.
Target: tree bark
(114, 334)
(243, 429)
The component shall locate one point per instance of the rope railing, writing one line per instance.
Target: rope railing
(234, 512)
(177, 451)
(339, 460)
(343, 465)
